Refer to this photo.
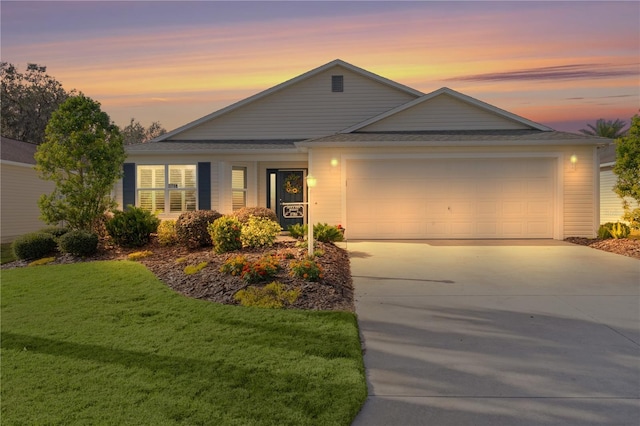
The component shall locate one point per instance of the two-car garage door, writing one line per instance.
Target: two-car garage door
(450, 198)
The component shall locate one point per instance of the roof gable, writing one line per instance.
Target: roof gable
(302, 107)
(445, 109)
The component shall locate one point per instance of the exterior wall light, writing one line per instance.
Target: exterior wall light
(573, 159)
(334, 162)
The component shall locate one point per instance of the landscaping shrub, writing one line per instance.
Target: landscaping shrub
(273, 296)
(139, 255)
(620, 230)
(259, 232)
(78, 243)
(191, 228)
(234, 265)
(43, 261)
(167, 232)
(34, 245)
(56, 231)
(327, 233)
(194, 269)
(225, 234)
(133, 227)
(263, 269)
(298, 230)
(613, 230)
(306, 269)
(245, 213)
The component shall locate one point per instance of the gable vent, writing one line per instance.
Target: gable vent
(337, 83)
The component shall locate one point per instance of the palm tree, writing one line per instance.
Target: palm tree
(606, 128)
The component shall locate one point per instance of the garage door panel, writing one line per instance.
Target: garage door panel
(451, 198)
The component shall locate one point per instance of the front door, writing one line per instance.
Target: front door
(287, 196)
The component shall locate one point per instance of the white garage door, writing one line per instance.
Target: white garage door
(450, 198)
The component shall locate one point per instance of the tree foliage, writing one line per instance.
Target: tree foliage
(606, 128)
(627, 169)
(83, 155)
(27, 101)
(135, 132)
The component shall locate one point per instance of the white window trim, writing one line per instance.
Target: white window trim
(166, 188)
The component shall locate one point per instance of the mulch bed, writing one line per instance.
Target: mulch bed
(333, 292)
(624, 246)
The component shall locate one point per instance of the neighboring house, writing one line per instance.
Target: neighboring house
(611, 209)
(388, 162)
(20, 190)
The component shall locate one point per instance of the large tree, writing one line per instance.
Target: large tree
(135, 132)
(606, 128)
(83, 155)
(627, 168)
(27, 101)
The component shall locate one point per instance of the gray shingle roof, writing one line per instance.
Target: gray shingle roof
(607, 154)
(180, 146)
(458, 137)
(17, 151)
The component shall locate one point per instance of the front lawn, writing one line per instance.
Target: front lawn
(107, 343)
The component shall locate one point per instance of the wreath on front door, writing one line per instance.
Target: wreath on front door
(293, 184)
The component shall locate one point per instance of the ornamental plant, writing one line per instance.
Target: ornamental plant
(191, 227)
(225, 234)
(78, 243)
(306, 269)
(34, 245)
(194, 269)
(273, 295)
(234, 265)
(132, 227)
(259, 232)
(167, 232)
(263, 269)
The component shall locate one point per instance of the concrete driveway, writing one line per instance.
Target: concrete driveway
(497, 333)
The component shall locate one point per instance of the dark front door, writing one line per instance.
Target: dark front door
(287, 198)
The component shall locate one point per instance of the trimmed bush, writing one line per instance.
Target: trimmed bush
(327, 233)
(272, 296)
(133, 227)
(167, 232)
(245, 213)
(78, 243)
(34, 245)
(191, 228)
(56, 231)
(259, 232)
(298, 230)
(225, 234)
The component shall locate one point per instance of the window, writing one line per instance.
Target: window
(337, 83)
(238, 187)
(166, 188)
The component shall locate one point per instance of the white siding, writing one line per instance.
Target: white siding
(303, 110)
(443, 113)
(21, 189)
(610, 203)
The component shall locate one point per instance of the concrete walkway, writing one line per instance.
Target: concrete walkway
(497, 333)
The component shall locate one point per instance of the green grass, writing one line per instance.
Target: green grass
(107, 343)
(6, 253)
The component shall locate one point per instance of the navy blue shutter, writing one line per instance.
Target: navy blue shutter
(204, 186)
(128, 185)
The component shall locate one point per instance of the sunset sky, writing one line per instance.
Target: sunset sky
(562, 64)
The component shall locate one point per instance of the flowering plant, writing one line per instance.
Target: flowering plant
(263, 269)
(306, 269)
(234, 265)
